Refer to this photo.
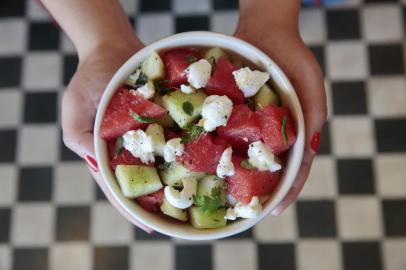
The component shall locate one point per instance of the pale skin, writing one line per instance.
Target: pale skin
(104, 39)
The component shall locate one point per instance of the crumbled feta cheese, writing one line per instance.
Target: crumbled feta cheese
(225, 166)
(172, 149)
(182, 199)
(187, 89)
(250, 210)
(146, 91)
(261, 157)
(216, 111)
(248, 81)
(198, 73)
(139, 144)
(132, 79)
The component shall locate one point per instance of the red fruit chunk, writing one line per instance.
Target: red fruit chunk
(270, 121)
(245, 183)
(117, 119)
(152, 202)
(203, 154)
(123, 158)
(241, 129)
(176, 62)
(222, 82)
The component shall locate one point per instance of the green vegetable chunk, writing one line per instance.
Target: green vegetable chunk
(153, 66)
(170, 210)
(173, 175)
(210, 199)
(202, 220)
(216, 53)
(265, 96)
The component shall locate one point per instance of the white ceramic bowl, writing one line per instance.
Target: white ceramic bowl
(284, 89)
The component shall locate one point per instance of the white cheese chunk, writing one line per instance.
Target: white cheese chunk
(172, 149)
(187, 89)
(261, 157)
(248, 81)
(216, 111)
(182, 199)
(250, 210)
(146, 91)
(225, 166)
(139, 144)
(198, 73)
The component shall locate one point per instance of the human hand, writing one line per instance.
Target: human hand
(278, 36)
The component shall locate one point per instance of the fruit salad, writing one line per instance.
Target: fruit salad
(198, 135)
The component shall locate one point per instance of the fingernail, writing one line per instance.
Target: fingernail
(92, 163)
(315, 142)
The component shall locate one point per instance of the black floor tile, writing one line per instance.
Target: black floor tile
(276, 256)
(99, 193)
(10, 70)
(141, 235)
(43, 36)
(65, 153)
(30, 258)
(349, 98)
(8, 140)
(196, 257)
(225, 4)
(70, 63)
(5, 217)
(35, 184)
(355, 176)
(318, 52)
(343, 24)
(361, 256)
(108, 258)
(242, 235)
(12, 8)
(316, 218)
(394, 212)
(192, 23)
(325, 141)
(40, 107)
(386, 59)
(390, 135)
(153, 6)
(73, 223)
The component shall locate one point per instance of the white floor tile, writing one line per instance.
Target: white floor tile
(108, 226)
(191, 6)
(352, 136)
(359, 218)
(38, 144)
(129, 6)
(382, 23)
(224, 22)
(154, 26)
(70, 256)
(42, 71)
(394, 254)
(8, 184)
(32, 224)
(312, 25)
(319, 255)
(391, 175)
(14, 36)
(67, 45)
(346, 60)
(37, 12)
(236, 255)
(157, 255)
(5, 258)
(10, 102)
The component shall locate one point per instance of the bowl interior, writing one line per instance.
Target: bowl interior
(284, 89)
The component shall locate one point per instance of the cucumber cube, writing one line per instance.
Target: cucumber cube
(165, 120)
(215, 52)
(170, 210)
(201, 220)
(207, 183)
(137, 180)
(173, 175)
(156, 133)
(265, 96)
(153, 66)
(174, 103)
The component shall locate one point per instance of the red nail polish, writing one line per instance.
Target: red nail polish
(92, 163)
(315, 142)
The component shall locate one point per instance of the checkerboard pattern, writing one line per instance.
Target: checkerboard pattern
(351, 215)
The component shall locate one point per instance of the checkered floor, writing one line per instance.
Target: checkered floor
(351, 214)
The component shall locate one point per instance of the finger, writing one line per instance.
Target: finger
(110, 197)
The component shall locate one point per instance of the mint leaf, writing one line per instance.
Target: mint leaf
(190, 59)
(165, 165)
(161, 89)
(246, 165)
(119, 146)
(284, 133)
(142, 79)
(250, 103)
(209, 204)
(142, 119)
(188, 108)
(193, 132)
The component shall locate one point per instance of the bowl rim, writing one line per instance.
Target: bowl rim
(285, 90)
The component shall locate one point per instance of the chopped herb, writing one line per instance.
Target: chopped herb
(284, 133)
(188, 108)
(164, 91)
(142, 119)
(190, 59)
(119, 146)
(165, 165)
(246, 165)
(211, 203)
(212, 61)
(132, 79)
(193, 132)
(142, 79)
(251, 103)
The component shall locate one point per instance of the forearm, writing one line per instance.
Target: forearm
(91, 24)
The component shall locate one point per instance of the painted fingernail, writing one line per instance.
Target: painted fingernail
(315, 142)
(92, 163)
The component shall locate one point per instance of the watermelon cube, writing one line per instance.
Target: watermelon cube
(117, 119)
(222, 82)
(203, 154)
(123, 158)
(247, 183)
(152, 202)
(270, 120)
